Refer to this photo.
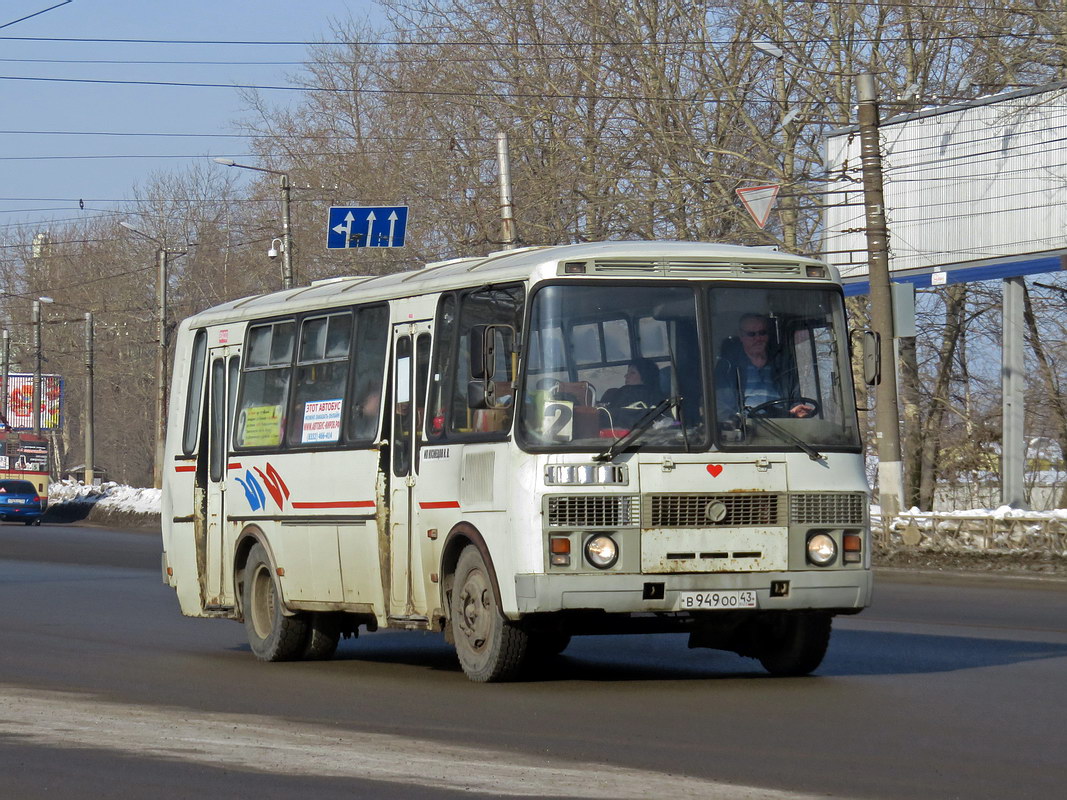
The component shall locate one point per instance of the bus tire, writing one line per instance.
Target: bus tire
(324, 633)
(490, 648)
(795, 644)
(272, 635)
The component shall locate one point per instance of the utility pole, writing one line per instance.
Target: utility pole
(287, 238)
(507, 211)
(162, 257)
(90, 453)
(35, 413)
(1013, 390)
(161, 368)
(887, 420)
(5, 369)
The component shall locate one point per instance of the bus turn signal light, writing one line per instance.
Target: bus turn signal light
(852, 544)
(560, 549)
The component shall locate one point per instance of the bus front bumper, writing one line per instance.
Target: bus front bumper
(839, 591)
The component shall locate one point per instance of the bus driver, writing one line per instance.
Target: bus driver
(760, 376)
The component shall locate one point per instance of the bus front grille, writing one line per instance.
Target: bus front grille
(592, 511)
(827, 508)
(709, 510)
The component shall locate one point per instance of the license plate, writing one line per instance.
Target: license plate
(724, 600)
(17, 501)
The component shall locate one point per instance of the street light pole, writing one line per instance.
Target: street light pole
(287, 237)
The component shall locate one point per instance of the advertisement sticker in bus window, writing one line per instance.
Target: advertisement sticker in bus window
(322, 421)
(260, 426)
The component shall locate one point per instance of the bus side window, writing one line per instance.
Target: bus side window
(321, 377)
(444, 357)
(265, 387)
(501, 307)
(368, 370)
(195, 394)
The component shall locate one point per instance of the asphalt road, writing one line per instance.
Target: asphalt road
(944, 688)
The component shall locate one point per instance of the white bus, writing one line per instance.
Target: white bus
(518, 448)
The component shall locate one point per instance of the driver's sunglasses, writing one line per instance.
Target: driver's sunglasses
(753, 334)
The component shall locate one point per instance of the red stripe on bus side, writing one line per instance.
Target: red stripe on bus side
(235, 465)
(440, 504)
(337, 504)
(190, 468)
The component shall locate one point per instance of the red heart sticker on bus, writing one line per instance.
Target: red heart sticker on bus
(715, 470)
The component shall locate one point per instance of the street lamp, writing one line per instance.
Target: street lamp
(162, 257)
(287, 239)
(36, 413)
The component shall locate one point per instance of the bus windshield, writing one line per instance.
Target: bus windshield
(781, 373)
(601, 357)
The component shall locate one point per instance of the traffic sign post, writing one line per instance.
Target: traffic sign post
(366, 226)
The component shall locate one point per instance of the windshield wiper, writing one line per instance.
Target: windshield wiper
(639, 427)
(813, 454)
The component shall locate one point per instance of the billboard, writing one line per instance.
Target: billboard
(975, 188)
(20, 401)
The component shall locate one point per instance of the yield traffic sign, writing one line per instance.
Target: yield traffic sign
(366, 226)
(759, 200)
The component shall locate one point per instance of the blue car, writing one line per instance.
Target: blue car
(19, 502)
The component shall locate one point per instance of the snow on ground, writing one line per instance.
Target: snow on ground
(111, 496)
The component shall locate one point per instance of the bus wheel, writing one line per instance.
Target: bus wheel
(323, 634)
(272, 635)
(490, 648)
(795, 644)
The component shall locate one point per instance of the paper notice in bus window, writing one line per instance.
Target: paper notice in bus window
(322, 421)
(557, 422)
(261, 426)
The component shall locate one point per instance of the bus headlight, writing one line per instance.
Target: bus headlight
(822, 549)
(601, 551)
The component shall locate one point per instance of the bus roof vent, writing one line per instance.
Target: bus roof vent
(771, 268)
(625, 267)
(683, 267)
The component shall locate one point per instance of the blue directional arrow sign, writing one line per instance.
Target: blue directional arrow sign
(366, 226)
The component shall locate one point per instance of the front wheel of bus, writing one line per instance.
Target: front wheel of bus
(490, 648)
(272, 635)
(795, 643)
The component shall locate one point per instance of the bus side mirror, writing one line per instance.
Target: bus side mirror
(872, 358)
(482, 390)
(482, 346)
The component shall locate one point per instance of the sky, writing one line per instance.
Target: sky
(57, 138)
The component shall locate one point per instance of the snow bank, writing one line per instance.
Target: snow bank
(108, 504)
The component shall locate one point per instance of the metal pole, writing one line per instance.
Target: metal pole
(161, 369)
(887, 420)
(1013, 383)
(287, 238)
(507, 212)
(90, 452)
(5, 369)
(35, 412)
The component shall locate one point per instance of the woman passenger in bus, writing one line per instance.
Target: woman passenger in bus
(639, 392)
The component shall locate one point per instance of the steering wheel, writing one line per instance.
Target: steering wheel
(787, 403)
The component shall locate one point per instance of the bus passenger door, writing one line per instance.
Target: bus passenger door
(411, 361)
(223, 369)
